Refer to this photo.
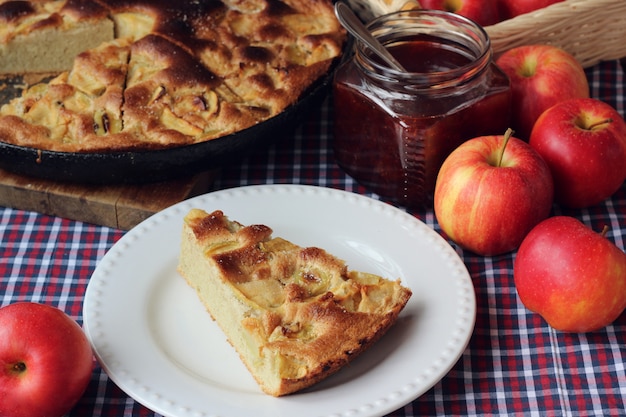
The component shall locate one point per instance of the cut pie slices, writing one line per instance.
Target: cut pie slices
(81, 108)
(295, 315)
(46, 36)
(173, 73)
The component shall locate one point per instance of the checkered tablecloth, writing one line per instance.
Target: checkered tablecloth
(514, 365)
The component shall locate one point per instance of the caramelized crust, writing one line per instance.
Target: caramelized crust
(21, 17)
(193, 71)
(295, 315)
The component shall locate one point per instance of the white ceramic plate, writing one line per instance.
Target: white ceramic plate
(156, 342)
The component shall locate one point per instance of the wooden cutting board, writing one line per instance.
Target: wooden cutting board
(116, 206)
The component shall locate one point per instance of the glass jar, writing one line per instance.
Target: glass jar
(392, 129)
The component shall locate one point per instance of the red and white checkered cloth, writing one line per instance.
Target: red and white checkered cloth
(514, 365)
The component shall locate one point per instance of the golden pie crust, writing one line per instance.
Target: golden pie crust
(172, 73)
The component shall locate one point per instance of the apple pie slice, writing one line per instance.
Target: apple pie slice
(78, 109)
(46, 36)
(295, 315)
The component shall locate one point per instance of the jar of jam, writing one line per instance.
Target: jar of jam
(394, 129)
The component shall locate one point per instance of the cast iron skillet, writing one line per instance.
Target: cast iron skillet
(134, 167)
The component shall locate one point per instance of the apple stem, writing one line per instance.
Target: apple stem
(507, 135)
(604, 231)
(600, 123)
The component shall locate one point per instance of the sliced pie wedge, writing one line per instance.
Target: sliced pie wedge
(295, 315)
(46, 36)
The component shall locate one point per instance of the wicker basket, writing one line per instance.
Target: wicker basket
(591, 30)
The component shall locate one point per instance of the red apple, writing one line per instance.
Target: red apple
(583, 141)
(484, 13)
(490, 193)
(541, 76)
(572, 276)
(46, 361)
(513, 8)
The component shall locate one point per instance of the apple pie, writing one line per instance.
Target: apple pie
(162, 73)
(295, 315)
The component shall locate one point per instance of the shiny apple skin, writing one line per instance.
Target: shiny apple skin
(57, 357)
(489, 209)
(514, 8)
(483, 12)
(574, 277)
(541, 76)
(588, 165)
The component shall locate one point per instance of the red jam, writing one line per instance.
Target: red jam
(393, 132)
